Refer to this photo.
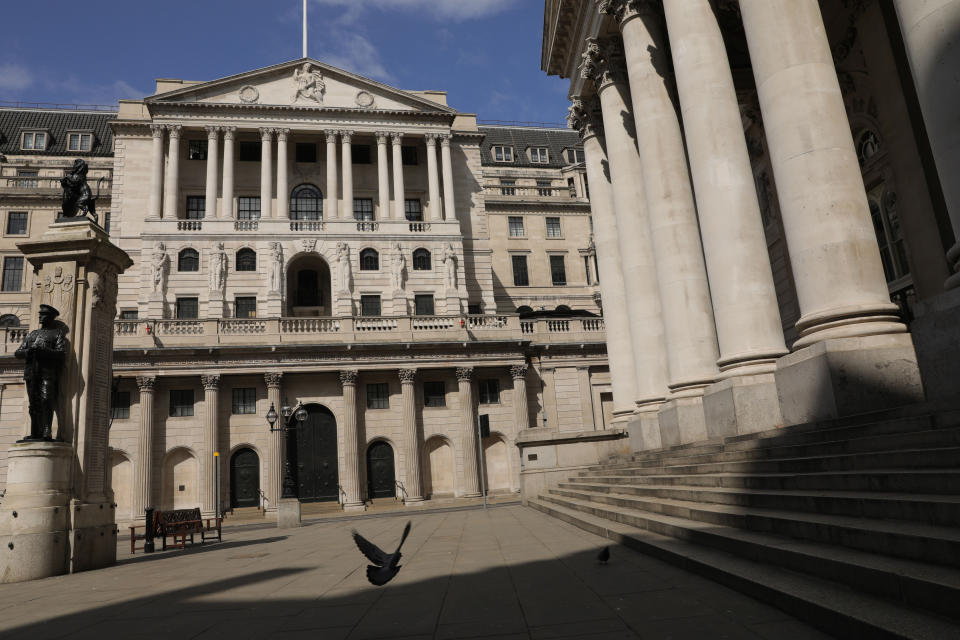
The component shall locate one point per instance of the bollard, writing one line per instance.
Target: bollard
(148, 546)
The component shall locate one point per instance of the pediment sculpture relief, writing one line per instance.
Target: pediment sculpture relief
(310, 85)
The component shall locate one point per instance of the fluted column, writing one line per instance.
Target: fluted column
(210, 201)
(433, 180)
(208, 476)
(142, 494)
(449, 203)
(330, 206)
(274, 380)
(399, 197)
(351, 458)
(468, 433)
(383, 176)
(521, 410)
(283, 188)
(346, 171)
(171, 195)
(266, 171)
(411, 439)
(226, 197)
(156, 174)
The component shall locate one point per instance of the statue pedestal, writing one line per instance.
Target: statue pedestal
(344, 304)
(399, 306)
(452, 304)
(155, 306)
(274, 308)
(215, 306)
(288, 513)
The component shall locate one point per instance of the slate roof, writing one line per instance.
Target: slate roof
(57, 123)
(521, 138)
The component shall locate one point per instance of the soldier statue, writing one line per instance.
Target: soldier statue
(44, 351)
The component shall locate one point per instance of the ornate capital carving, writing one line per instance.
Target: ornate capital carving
(431, 139)
(210, 382)
(348, 376)
(157, 130)
(266, 134)
(146, 383)
(623, 10)
(603, 62)
(331, 135)
(464, 373)
(282, 134)
(407, 376)
(518, 371)
(382, 137)
(212, 132)
(229, 133)
(174, 130)
(445, 139)
(584, 116)
(397, 138)
(273, 379)
(345, 136)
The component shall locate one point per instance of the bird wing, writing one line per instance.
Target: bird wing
(380, 576)
(373, 553)
(406, 532)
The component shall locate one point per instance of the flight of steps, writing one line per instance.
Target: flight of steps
(851, 525)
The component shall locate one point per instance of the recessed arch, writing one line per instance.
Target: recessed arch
(306, 202)
(496, 463)
(9, 320)
(244, 478)
(246, 259)
(369, 259)
(180, 469)
(381, 469)
(308, 286)
(422, 260)
(120, 482)
(188, 259)
(439, 469)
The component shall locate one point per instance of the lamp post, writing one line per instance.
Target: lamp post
(289, 488)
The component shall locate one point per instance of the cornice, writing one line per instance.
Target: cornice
(167, 107)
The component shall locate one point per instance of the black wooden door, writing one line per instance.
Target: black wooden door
(244, 478)
(317, 478)
(381, 481)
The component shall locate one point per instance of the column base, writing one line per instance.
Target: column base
(472, 494)
(934, 332)
(847, 376)
(288, 513)
(354, 506)
(644, 430)
(741, 404)
(682, 420)
(408, 502)
(93, 537)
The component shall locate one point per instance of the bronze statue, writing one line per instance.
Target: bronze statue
(44, 351)
(77, 195)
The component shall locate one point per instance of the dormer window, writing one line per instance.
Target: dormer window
(574, 156)
(538, 155)
(79, 141)
(33, 141)
(502, 154)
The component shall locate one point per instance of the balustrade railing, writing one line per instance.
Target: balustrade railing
(368, 226)
(15, 335)
(419, 227)
(246, 225)
(178, 327)
(434, 323)
(306, 225)
(189, 225)
(34, 182)
(486, 322)
(309, 325)
(126, 327)
(529, 191)
(528, 326)
(592, 324)
(242, 326)
(375, 324)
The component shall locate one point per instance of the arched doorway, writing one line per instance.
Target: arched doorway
(439, 470)
(316, 456)
(245, 478)
(308, 287)
(496, 464)
(179, 488)
(381, 479)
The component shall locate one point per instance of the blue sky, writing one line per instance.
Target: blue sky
(484, 53)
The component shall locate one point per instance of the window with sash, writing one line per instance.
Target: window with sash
(13, 273)
(246, 259)
(378, 395)
(369, 260)
(245, 307)
(181, 403)
(421, 260)
(119, 405)
(369, 305)
(188, 308)
(33, 141)
(408, 155)
(508, 187)
(515, 224)
(244, 401)
(248, 208)
(306, 203)
(79, 141)
(196, 206)
(553, 228)
(558, 271)
(188, 260)
(413, 210)
(488, 391)
(538, 155)
(502, 153)
(17, 223)
(306, 152)
(423, 304)
(520, 276)
(434, 394)
(197, 149)
(363, 209)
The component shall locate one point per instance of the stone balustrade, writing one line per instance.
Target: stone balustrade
(518, 192)
(283, 227)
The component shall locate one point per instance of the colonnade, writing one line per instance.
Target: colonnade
(165, 181)
(680, 237)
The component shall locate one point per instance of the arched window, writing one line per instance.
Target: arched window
(9, 320)
(306, 203)
(524, 310)
(563, 309)
(246, 260)
(188, 260)
(868, 144)
(421, 260)
(369, 260)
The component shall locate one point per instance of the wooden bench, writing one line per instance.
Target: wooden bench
(178, 524)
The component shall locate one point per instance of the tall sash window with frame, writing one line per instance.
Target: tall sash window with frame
(248, 208)
(558, 271)
(520, 275)
(306, 203)
(413, 209)
(244, 400)
(196, 207)
(363, 209)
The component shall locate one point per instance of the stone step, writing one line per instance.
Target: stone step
(910, 540)
(832, 607)
(930, 509)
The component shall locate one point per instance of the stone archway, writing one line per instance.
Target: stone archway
(315, 456)
(121, 470)
(180, 475)
(244, 478)
(309, 292)
(496, 464)
(439, 471)
(381, 474)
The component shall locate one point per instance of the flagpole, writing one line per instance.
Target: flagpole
(304, 28)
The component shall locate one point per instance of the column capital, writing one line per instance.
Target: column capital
(273, 379)
(266, 134)
(603, 62)
(210, 382)
(407, 376)
(584, 116)
(348, 376)
(464, 373)
(212, 132)
(174, 130)
(445, 139)
(345, 136)
(518, 371)
(396, 137)
(623, 10)
(431, 139)
(157, 130)
(146, 383)
(282, 134)
(229, 133)
(331, 134)
(382, 137)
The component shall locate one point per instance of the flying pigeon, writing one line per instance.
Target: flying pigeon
(604, 555)
(384, 565)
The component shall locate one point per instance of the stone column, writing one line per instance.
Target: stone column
(208, 474)
(449, 203)
(468, 433)
(346, 171)
(226, 197)
(833, 249)
(521, 408)
(171, 196)
(283, 188)
(274, 380)
(351, 457)
(399, 196)
(745, 306)
(156, 176)
(930, 36)
(433, 180)
(266, 169)
(330, 206)
(210, 201)
(383, 176)
(411, 439)
(141, 496)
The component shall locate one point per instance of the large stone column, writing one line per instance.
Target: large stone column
(744, 299)
(141, 496)
(210, 201)
(266, 169)
(171, 195)
(226, 196)
(346, 172)
(208, 475)
(468, 433)
(399, 197)
(449, 202)
(411, 438)
(433, 180)
(521, 408)
(154, 210)
(350, 479)
(383, 176)
(283, 188)
(330, 206)
(274, 380)
(852, 334)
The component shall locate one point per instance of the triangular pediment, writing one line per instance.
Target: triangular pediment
(304, 83)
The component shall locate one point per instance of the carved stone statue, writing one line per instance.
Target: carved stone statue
(161, 268)
(396, 267)
(43, 351)
(77, 195)
(450, 265)
(310, 83)
(276, 266)
(343, 266)
(218, 268)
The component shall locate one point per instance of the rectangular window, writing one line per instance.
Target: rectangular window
(244, 400)
(187, 308)
(17, 223)
(79, 141)
(360, 153)
(248, 151)
(544, 188)
(434, 394)
(34, 141)
(370, 305)
(408, 155)
(129, 314)
(248, 208)
(520, 277)
(553, 228)
(196, 206)
(378, 395)
(413, 209)
(516, 226)
(120, 405)
(13, 273)
(363, 208)
(508, 187)
(306, 152)
(538, 155)
(502, 154)
(27, 178)
(197, 150)
(423, 304)
(245, 307)
(575, 155)
(474, 309)
(181, 403)
(558, 272)
(106, 222)
(489, 391)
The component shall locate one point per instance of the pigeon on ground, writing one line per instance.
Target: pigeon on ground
(604, 555)
(384, 565)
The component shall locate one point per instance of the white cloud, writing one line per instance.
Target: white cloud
(362, 59)
(14, 77)
(455, 10)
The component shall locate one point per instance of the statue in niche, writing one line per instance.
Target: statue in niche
(396, 267)
(218, 268)
(77, 195)
(450, 265)
(161, 268)
(343, 266)
(276, 266)
(310, 83)
(43, 351)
